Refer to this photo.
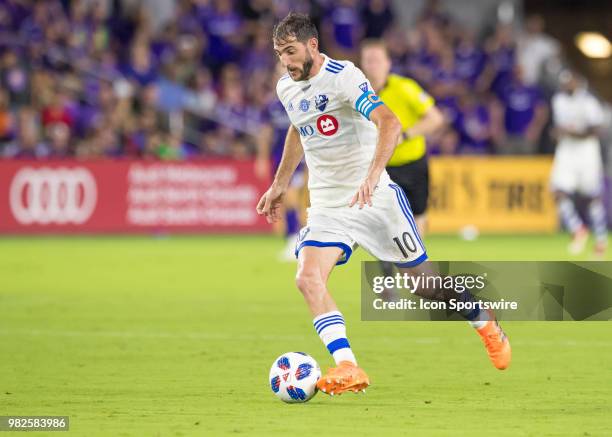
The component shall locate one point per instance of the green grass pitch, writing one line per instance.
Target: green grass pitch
(142, 336)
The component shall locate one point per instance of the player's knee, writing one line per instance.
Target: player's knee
(431, 293)
(309, 283)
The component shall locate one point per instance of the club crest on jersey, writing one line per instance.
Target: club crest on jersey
(304, 105)
(327, 125)
(321, 102)
(303, 233)
(363, 87)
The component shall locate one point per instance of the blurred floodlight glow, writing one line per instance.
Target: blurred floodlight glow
(505, 12)
(593, 45)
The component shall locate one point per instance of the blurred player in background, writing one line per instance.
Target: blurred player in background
(347, 136)
(419, 116)
(270, 142)
(578, 166)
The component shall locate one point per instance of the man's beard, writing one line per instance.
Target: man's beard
(306, 68)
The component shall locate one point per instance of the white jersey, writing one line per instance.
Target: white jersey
(331, 113)
(578, 111)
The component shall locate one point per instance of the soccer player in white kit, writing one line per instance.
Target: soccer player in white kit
(347, 136)
(578, 167)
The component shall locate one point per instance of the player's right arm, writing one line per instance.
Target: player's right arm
(594, 116)
(270, 203)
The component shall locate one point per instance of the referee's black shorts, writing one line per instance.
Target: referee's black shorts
(414, 180)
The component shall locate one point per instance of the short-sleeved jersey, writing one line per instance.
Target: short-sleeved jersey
(579, 110)
(331, 112)
(409, 102)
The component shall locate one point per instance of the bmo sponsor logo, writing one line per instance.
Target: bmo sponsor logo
(306, 131)
(53, 195)
(327, 125)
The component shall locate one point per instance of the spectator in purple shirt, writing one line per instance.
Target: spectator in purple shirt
(99, 30)
(163, 45)
(403, 50)
(521, 114)
(32, 27)
(501, 55)
(187, 58)
(432, 47)
(433, 11)
(343, 28)
(140, 67)
(470, 59)
(473, 125)
(259, 56)
(6, 17)
(12, 14)
(59, 140)
(203, 98)
(378, 18)
(28, 144)
(188, 19)
(80, 30)
(223, 26)
(14, 77)
(445, 81)
(139, 130)
(98, 97)
(450, 109)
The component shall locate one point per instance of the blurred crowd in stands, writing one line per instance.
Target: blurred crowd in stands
(103, 79)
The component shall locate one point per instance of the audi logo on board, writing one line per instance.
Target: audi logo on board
(53, 195)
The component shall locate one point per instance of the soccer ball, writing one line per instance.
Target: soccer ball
(294, 376)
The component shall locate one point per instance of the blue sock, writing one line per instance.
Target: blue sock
(597, 213)
(570, 217)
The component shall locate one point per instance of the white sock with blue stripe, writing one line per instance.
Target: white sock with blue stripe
(597, 213)
(332, 330)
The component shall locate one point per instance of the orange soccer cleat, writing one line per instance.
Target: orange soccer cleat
(579, 240)
(345, 377)
(599, 250)
(497, 344)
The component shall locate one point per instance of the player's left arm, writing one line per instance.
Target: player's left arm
(389, 129)
(429, 123)
(429, 117)
(595, 121)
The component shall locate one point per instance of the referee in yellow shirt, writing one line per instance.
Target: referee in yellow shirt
(419, 116)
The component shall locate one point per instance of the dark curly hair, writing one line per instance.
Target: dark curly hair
(294, 25)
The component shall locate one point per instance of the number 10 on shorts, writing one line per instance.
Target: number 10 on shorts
(406, 244)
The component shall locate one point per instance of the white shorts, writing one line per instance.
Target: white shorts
(386, 230)
(577, 167)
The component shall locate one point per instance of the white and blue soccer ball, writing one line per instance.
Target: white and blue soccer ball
(294, 376)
